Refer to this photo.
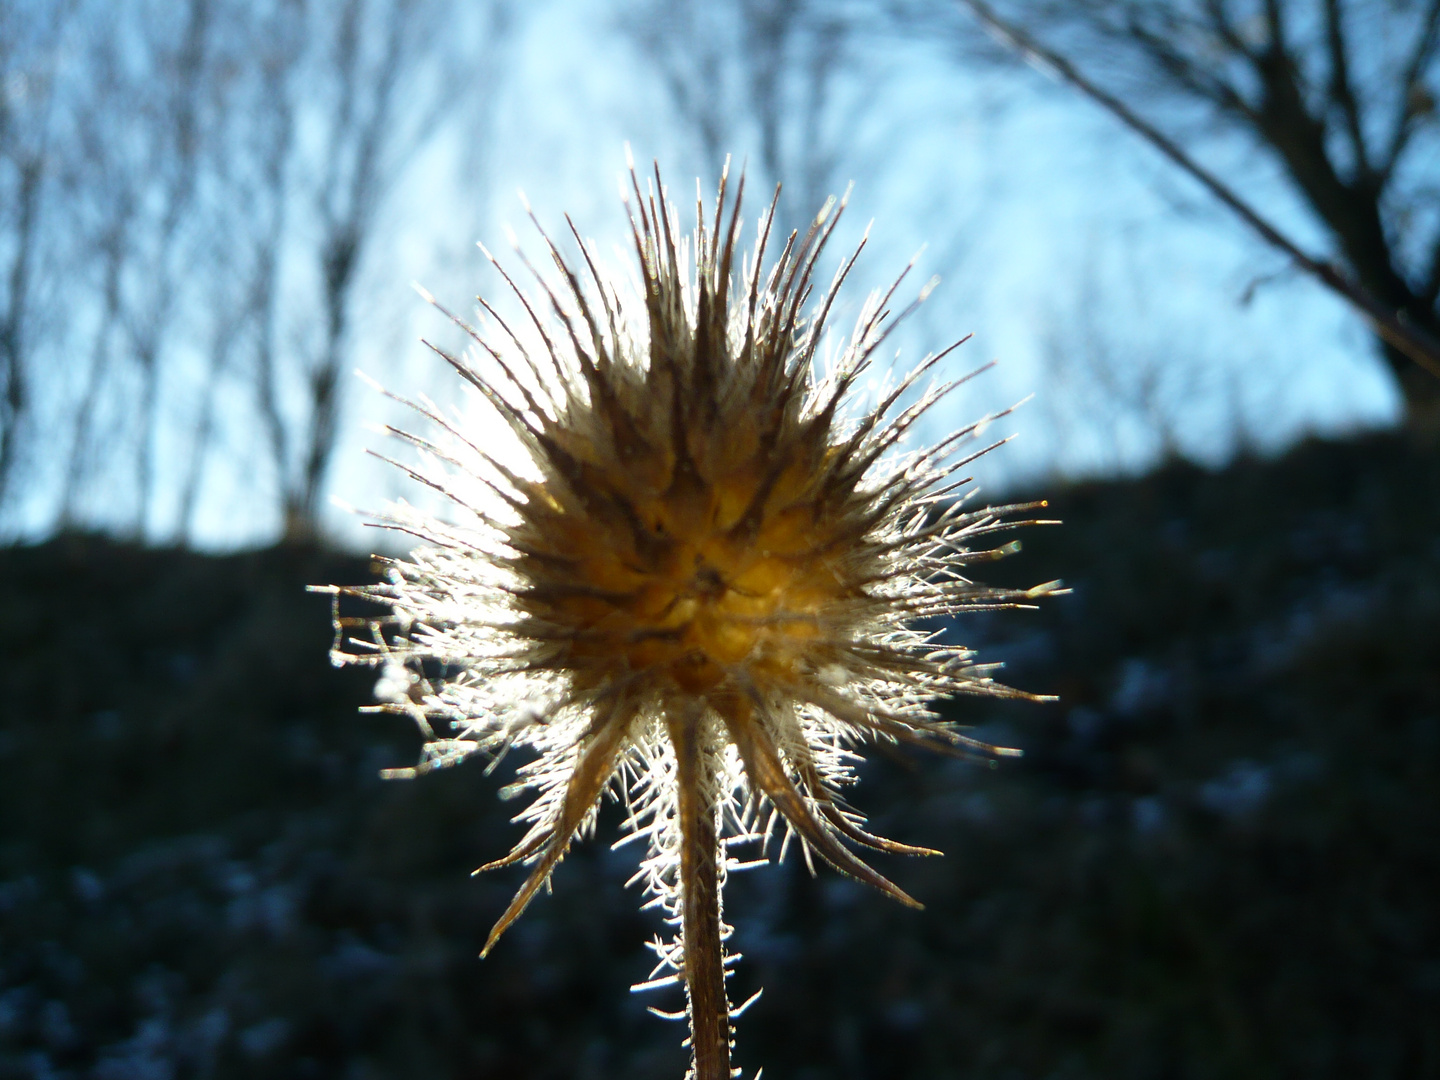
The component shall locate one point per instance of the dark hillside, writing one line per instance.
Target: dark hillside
(1220, 856)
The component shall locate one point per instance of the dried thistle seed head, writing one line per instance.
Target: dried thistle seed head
(696, 577)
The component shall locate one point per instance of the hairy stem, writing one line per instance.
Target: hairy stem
(700, 907)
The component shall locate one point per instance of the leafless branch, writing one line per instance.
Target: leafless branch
(1406, 113)
(1342, 92)
(1402, 334)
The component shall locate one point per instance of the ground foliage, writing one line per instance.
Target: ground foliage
(1219, 857)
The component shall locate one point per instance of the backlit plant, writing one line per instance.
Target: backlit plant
(692, 577)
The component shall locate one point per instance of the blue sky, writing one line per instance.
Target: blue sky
(1049, 226)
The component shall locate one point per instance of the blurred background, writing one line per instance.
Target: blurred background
(1220, 856)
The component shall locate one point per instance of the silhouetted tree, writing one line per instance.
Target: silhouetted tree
(369, 81)
(763, 73)
(1338, 94)
(29, 50)
(189, 194)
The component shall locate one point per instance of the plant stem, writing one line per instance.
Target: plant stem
(700, 907)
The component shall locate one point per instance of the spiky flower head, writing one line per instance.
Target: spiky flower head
(694, 577)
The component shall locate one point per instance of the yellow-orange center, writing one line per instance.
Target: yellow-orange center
(695, 595)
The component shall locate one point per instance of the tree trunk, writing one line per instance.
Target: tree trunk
(1421, 391)
(300, 526)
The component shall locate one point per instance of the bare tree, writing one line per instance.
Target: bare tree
(14, 389)
(172, 168)
(1338, 94)
(265, 50)
(1121, 394)
(227, 165)
(134, 154)
(374, 50)
(761, 73)
(370, 82)
(112, 247)
(29, 45)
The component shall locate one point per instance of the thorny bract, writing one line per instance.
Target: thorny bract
(694, 577)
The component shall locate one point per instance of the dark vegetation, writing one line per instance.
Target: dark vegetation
(1219, 858)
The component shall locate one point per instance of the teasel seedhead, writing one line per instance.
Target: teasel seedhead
(693, 578)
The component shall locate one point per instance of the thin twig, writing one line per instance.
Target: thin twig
(1392, 326)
